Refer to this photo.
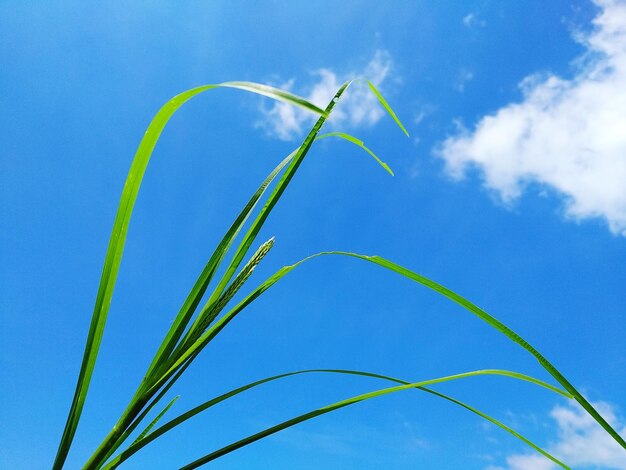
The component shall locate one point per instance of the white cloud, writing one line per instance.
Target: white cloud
(566, 134)
(472, 20)
(357, 107)
(581, 442)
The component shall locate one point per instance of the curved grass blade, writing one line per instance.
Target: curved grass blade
(153, 423)
(274, 197)
(477, 311)
(277, 94)
(131, 428)
(493, 322)
(136, 446)
(359, 398)
(359, 143)
(387, 107)
(187, 310)
(118, 238)
(142, 395)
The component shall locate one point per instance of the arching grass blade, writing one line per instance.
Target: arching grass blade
(359, 143)
(118, 238)
(492, 321)
(274, 197)
(136, 446)
(367, 396)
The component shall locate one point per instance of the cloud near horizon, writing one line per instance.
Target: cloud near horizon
(581, 442)
(566, 134)
(359, 106)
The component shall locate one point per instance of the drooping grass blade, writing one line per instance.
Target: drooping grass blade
(387, 107)
(142, 396)
(274, 197)
(136, 446)
(114, 253)
(359, 143)
(492, 321)
(282, 184)
(367, 396)
(118, 238)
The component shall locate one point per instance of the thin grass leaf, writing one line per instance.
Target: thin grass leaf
(144, 393)
(277, 94)
(131, 428)
(153, 423)
(492, 321)
(367, 396)
(274, 197)
(136, 446)
(387, 107)
(359, 143)
(118, 238)
(193, 299)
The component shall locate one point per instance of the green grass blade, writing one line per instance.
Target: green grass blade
(359, 143)
(387, 107)
(208, 315)
(210, 334)
(359, 398)
(277, 94)
(157, 379)
(187, 310)
(136, 446)
(492, 321)
(497, 423)
(118, 238)
(274, 197)
(131, 428)
(153, 423)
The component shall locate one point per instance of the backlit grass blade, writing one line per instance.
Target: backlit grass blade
(202, 341)
(387, 107)
(118, 238)
(158, 417)
(367, 396)
(144, 393)
(277, 94)
(187, 310)
(498, 325)
(274, 197)
(136, 446)
(359, 143)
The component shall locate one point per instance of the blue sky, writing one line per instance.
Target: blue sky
(510, 191)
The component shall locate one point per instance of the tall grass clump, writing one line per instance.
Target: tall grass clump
(205, 312)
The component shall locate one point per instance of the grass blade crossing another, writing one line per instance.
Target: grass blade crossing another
(132, 449)
(367, 396)
(118, 239)
(153, 423)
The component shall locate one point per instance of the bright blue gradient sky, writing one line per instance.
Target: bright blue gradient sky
(529, 224)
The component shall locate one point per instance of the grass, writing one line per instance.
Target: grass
(195, 326)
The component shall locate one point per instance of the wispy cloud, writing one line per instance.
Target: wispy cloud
(566, 134)
(465, 76)
(581, 442)
(472, 20)
(358, 106)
